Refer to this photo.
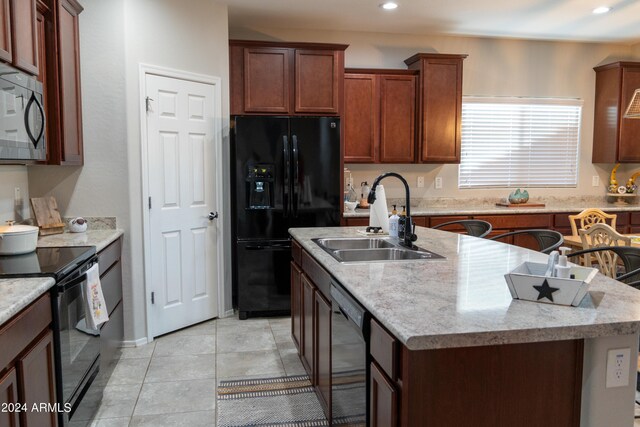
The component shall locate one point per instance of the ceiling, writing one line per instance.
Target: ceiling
(528, 19)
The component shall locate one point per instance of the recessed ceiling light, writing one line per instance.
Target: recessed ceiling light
(600, 10)
(389, 5)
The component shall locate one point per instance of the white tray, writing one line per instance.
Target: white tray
(521, 282)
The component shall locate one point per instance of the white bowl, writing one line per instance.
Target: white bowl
(350, 206)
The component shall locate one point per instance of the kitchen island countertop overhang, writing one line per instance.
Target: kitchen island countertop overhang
(463, 300)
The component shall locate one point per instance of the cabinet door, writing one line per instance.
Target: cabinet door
(628, 146)
(361, 118)
(37, 382)
(307, 350)
(397, 119)
(441, 111)
(317, 81)
(323, 352)
(5, 30)
(296, 305)
(266, 80)
(25, 38)
(70, 98)
(383, 399)
(9, 395)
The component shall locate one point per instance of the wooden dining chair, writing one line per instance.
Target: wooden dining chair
(590, 217)
(598, 236)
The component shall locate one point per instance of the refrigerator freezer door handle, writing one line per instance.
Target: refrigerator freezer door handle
(295, 183)
(287, 171)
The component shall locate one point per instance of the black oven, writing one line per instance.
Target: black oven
(22, 117)
(77, 345)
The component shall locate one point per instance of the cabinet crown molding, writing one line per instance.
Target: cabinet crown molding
(291, 45)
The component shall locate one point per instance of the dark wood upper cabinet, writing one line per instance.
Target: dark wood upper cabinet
(379, 116)
(70, 105)
(397, 118)
(361, 118)
(615, 139)
(317, 80)
(5, 31)
(266, 91)
(24, 35)
(285, 78)
(440, 106)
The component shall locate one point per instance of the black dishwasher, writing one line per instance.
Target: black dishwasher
(349, 362)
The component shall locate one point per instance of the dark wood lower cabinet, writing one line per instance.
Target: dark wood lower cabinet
(323, 350)
(36, 375)
(8, 397)
(307, 348)
(383, 404)
(296, 305)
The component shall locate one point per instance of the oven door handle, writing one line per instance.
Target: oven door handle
(75, 282)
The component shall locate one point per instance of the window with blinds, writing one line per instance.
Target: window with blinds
(526, 142)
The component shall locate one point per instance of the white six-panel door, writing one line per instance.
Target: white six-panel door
(182, 189)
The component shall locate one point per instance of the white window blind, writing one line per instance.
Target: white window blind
(526, 142)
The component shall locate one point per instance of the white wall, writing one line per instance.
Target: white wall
(503, 67)
(184, 35)
(116, 36)
(10, 178)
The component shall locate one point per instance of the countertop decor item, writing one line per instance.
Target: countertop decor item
(519, 197)
(613, 182)
(528, 282)
(18, 239)
(350, 206)
(78, 225)
(47, 215)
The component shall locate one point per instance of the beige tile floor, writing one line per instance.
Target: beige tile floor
(172, 381)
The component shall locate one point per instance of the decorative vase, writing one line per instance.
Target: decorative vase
(518, 197)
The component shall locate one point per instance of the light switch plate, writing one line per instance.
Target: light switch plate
(595, 181)
(618, 367)
(420, 182)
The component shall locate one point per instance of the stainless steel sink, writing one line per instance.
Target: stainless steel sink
(358, 243)
(352, 250)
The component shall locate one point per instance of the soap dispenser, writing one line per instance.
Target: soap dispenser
(562, 269)
(401, 220)
(393, 222)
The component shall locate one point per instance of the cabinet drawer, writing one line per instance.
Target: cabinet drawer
(317, 274)
(562, 219)
(435, 220)
(112, 287)
(296, 252)
(18, 332)
(357, 222)
(517, 221)
(383, 349)
(635, 218)
(109, 255)
(420, 221)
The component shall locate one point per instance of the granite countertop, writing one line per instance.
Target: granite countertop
(98, 238)
(464, 301)
(491, 209)
(16, 294)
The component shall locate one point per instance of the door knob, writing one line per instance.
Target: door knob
(213, 215)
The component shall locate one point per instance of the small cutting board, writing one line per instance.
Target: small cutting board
(521, 205)
(47, 215)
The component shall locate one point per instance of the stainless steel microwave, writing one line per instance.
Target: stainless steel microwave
(22, 118)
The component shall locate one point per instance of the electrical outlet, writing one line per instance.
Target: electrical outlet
(17, 195)
(618, 367)
(420, 182)
(438, 182)
(595, 181)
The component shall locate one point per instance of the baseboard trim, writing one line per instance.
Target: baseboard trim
(135, 343)
(228, 313)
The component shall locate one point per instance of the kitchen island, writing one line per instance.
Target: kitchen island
(449, 346)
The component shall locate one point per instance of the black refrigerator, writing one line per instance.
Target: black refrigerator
(285, 172)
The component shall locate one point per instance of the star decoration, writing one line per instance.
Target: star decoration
(545, 291)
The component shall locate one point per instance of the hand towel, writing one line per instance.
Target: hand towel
(378, 213)
(96, 310)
